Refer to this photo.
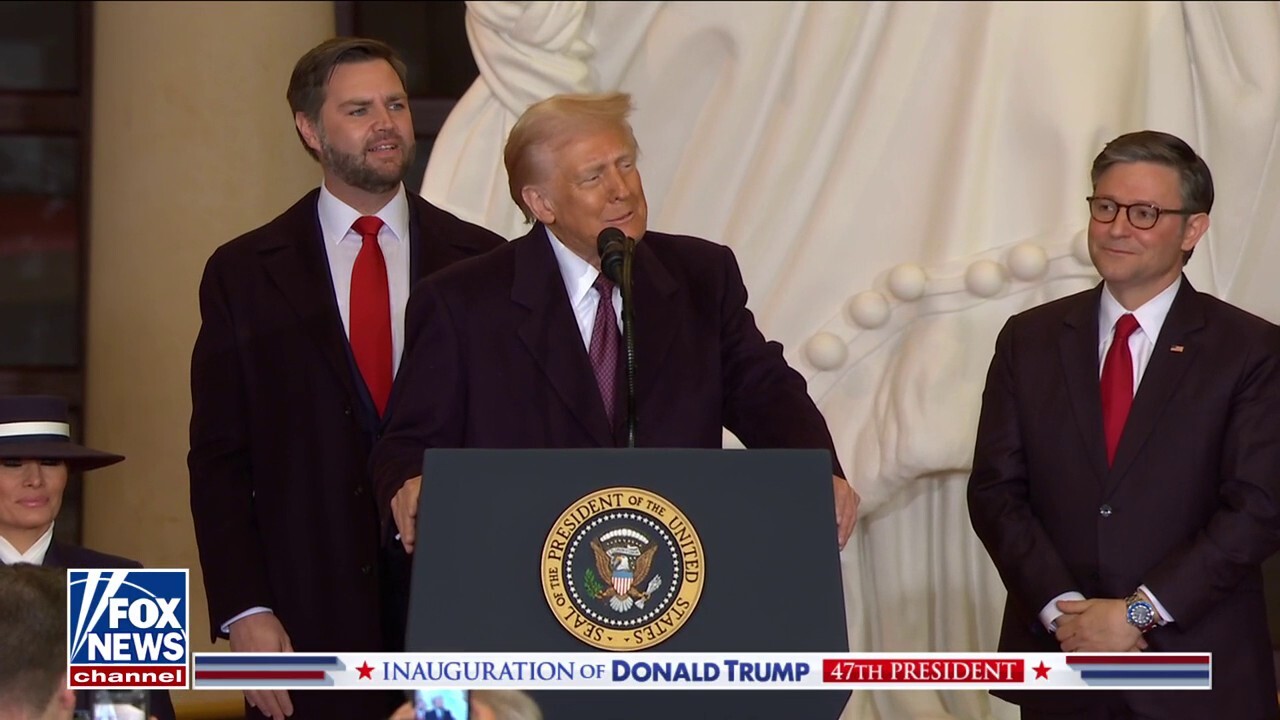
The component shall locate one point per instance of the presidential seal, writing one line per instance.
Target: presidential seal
(622, 569)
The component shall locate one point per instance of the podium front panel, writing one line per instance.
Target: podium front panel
(770, 570)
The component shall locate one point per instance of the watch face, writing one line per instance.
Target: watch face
(1141, 614)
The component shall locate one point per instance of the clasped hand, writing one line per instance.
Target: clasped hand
(1097, 625)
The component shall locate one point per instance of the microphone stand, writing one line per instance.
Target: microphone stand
(629, 340)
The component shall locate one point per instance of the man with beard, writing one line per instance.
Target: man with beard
(300, 339)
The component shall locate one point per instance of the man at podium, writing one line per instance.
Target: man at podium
(522, 347)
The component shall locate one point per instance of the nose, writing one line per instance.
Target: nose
(381, 118)
(617, 185)
(1120, 227)
(31, 473)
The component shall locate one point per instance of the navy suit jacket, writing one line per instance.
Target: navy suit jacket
(281, 429)
(1190, 506)
(494, 359)
(61, 555)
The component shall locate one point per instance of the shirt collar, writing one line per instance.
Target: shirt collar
(337, 217)
(9, 554)
(1150, 315)
(578, 274)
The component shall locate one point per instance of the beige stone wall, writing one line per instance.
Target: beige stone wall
(193, 144)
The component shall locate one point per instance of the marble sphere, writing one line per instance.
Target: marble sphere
(1028, 261)
(868, 309)
(985, 278)
(826, 351)
(907, 281)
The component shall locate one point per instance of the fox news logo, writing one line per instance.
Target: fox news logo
(127, 628)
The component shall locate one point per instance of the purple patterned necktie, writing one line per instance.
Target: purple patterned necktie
(604, 344)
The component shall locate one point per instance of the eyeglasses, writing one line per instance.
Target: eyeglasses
(1142, 216)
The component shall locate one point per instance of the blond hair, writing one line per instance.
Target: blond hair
(548, 124)
(508, 704)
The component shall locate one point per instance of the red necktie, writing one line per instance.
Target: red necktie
(371, 313)
(1117, 384)
(604, 344)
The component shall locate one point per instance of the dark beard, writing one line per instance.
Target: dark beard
(354, 171)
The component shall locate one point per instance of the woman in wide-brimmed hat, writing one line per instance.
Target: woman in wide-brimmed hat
(36, 455)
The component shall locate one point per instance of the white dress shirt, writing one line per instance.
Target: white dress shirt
(9, 554)
(342, 244)
(579, 276)
(1150, 316)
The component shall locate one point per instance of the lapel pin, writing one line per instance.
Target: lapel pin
(1177, 348)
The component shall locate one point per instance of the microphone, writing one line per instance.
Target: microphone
(616, 254)
(611, 243)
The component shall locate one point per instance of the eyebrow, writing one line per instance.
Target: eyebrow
(365, 102)
(613, 160)
(1114, 199)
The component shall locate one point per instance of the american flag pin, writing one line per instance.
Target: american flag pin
(1176, 348)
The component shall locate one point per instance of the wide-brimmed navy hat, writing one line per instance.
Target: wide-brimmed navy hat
(36, 427)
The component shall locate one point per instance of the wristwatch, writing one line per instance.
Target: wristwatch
(1140, 613)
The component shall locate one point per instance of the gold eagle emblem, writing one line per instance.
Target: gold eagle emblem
(624, 567)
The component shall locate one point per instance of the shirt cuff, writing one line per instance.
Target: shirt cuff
(226, 626)
(1161, 614)
(1050, 614)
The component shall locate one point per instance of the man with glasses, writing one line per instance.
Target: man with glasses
(1136, 515)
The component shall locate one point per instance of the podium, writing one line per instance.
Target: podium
(707, 551)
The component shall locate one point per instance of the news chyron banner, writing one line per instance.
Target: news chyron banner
(127, 629)
(704, 671)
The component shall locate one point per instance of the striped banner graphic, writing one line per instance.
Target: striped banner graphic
(249, 671)
(592, 670)
(1147, 669)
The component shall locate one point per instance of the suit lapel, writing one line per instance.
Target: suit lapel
(438, 239)
(426, 248)
(1162, 376)
(54, 556)
(550, 333)
(1078, 348)
(655, 295)
(298, 266)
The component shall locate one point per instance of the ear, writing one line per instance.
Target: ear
(63, 702)
(307, 130)
(1197, 226)
(539, 204)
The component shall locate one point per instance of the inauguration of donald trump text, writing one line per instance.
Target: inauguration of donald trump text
(706, 671)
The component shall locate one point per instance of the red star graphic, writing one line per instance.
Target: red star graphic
(366, 671)
(1042, 671)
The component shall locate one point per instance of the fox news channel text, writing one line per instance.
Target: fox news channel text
(706, 671)
(127, 629)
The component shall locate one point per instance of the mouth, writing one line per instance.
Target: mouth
(383, 148)
(1114, 250)
(619, 220)
(34, 503)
